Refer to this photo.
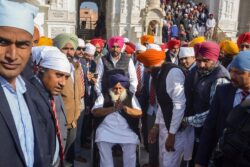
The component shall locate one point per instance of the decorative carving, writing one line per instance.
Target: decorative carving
(57, 30)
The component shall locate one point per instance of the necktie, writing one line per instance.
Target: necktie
(152, 94)
(244, 95)
(58, 133)
(81, 79)
(138, 73)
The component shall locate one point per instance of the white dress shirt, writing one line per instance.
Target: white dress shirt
(131, 72)
(210, 23)
(114, 128)
(175, 89)
(238, 97)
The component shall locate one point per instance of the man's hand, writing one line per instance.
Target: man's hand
(119, 105)
(170, 142)
(89, 76)
(93, 80)
(153, 134)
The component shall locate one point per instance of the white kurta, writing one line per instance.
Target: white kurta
(114, 128)
(175, 89)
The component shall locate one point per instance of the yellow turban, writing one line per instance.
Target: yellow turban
(196, 40)
(44, 41)
(151, 57)
(147, 39)
(229, 47)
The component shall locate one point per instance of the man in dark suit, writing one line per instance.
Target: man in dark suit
(21, 127)
(53, 71)
(226, 97)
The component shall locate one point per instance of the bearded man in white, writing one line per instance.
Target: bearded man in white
(117, 116)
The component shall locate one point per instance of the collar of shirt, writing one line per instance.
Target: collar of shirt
(20, 85)
(113, 60)
(238, 91)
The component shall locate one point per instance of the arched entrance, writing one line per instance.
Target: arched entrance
(91, 22)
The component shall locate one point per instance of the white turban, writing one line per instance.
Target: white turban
(81, 42)
(186, 52)
(90, 49)
(18, 15)
(154, 46)
(126, 40)
(51, 57)
(140, 47)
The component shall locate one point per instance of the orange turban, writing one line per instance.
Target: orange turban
(147, 39)
(196, 40)
(245, 37)
(96, 41)
(229, 47)
(173, 43)
(44, 41)
(151, 57)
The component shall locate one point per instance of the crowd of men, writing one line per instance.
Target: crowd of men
(185, 20)
(179, 101)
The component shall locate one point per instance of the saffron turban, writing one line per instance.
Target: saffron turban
(147, 39)
(18, 15)
(52, 58)
(209, 50)
(173, 43)
(44, 41)
(245, 37)
(242, 61)
(151, 57)
(62, 39)
(186, 52)
(140, 47)
(81, 42)
(116, 39)
(90, 49)
(97, 41)
(154, 46)
(118, 78)
(129, 50)
(229, 47)
(196, 40)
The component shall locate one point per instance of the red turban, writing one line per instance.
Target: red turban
(129, 49)
(164, 46)
(173, 43)
(131, 45)
(151, 57)
(209, 50)
(245, 37)
(96, 41)
(116, 39)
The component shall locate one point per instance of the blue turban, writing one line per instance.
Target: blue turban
(118, 78)
(18, 15)
(242, 61)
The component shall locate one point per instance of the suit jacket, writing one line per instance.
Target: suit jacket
(216, 122)
(71, 95)
(11, 153)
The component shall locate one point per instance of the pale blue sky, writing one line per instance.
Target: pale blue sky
(90, 5)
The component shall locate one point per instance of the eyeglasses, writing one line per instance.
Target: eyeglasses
(80, 48)
(244, 46)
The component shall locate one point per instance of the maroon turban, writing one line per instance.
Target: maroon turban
(245, 37)
(173, 42)
(209, 50)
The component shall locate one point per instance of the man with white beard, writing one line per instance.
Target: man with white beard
(117, 117)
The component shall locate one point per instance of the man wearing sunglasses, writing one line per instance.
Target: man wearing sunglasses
(243, 41)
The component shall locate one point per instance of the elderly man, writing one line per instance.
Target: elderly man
(187, 58)
(243, 41)
(172, 53)
(53, 71)
(168, 81)
(21, 125)
(73, 90)
(117, 121)
(201, 84)
(113, 61)
(226, 97)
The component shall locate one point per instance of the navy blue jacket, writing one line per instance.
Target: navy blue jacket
(11, 153)
(215, 123)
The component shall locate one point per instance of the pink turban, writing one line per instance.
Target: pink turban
(116, 39)
(209, 50)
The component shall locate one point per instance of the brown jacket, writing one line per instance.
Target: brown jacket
(71, 95)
